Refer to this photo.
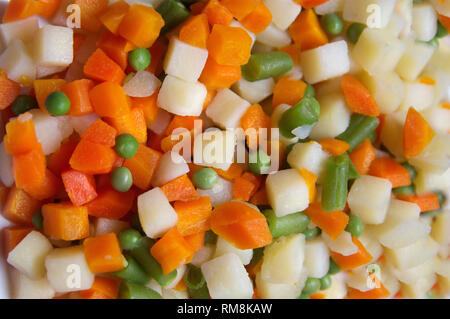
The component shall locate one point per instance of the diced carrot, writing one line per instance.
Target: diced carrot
(180, 189)
(257, 20)
(375, 293)
(181, 285)
(240, 8)
(111, 204)
(417, 133)
(9, 91)
(113, 15)
(363, 156)
(217, 13)
(154, 141)
(294, 50)
(255, 118)
(388, 168)
(260, 198)
(65, 221)
(306, 31)
(103, 254)
(3, 194)
(179, 121)
(109, 100)
(197, 7)
(210, 95)
(317, 295)
(59, 160)
(46, 188)
(79, 186)
(115, 47)
(11, 236)
(132, 122)
(19, 206)
(360, 258)
(47, 8)
(101, 133)
(196, 241)
(219, 76)
(157, 50)
(170, 141)
(141, 25)
(101, 67)
(102, 288)
(92, 158)
(78, 94)
(29, 168)
(288, 91)
(20, 135)
(358, 97)
(148, 105)
(193, 215)
(143, 165)
(308, 4)
(243, 189)
(444, 20)
(334, 146)
(332, 223)
(241, 225)
(426, 202)
(78, 40)
(310, 179)
(43, 88)
(195, 31)
(90, 10)
(229, 45)
(20, 9)
(234, 171)
(427, 80)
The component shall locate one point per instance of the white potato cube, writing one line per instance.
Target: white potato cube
(188, 100)
(390, 282)
(17, 62)
(222, 192)
(418, 95)
(435, 156)
(215, 148)
(184, 61)
(254, 92)
(334, 117)
(23, 287)
(156, 214)
(331, 6)
(44, 71)
(419, 288)
(438, 118)
(359, 279)
(309, 156)
(428, 179)
(223, 247)
(287, 192)
(414, 59)
(343, 244)
(283, 259)
(6, 170)
(227, 278)
(29, 255)
(53, 46)
(369, 199)
(317, 258)
(370, 242)
(171, 165)
(67, 269)
(268, 290)
(203, 255)
(81, 123)
(392, 133)
(325, 62)
(404, 9)
(284, 12)
(424, 22)
(440, 232)
(375, 13)
(105, 226)
(396, 25)
(410, 275)
(413, 255)
(142, 84)
(24, 30)
(226, 109)
(338, 288)
(274, 37)
(47, 131)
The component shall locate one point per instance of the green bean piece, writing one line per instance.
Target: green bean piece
(129, 239)
(335, 186)
(441, 196)
(352, 171)
(360, 128)
(23, 103)
(193, 277)
(412, 171)
(354, 32)
(309, 91)
(311, 286)
(441, 31)
(266, 65)
(305, 112)
(286, 225)
(334, 268)
(133, 272)
(434, 42)
(355, 226)
(311, 233)
(259, 162)
(136, 223)
(173, 12)
(131, 290)
(404, 190)
(257, 255)
(201, 293)
(303, 296)
(325, 282)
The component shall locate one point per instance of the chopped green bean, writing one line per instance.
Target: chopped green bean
(360, 128)
(404, 190)
(193, 277)
(325, 282)
(266, 65)
(133, 272)
(311, 233)
(131, 290)
(441, 31)
(129, 238)
(335, 185)
(354, 32)
(286, 225)
(257, 255)
(305, 112)
(173, 12)
(412, 171)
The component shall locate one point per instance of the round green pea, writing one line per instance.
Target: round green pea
(57, 103)
(121, 179)
(311, 286)
(23, 103)
(259, 162)
(205, 178)
(311, 233)
(334, 268)
(355, 226)
(332, 23)
(126, 145)
(441, 31)
(354, 31)
(37, 220)
(139, 59)
(325, 282)
(129, 239)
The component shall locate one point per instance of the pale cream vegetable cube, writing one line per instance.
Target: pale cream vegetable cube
(268, 290)
(47, 131)
(156, 214)
(67, 269)
(419, 288)
(6, 170)
(413, 255)
(317, 258)
(215, 148)
(410, 275)
(203, 255)
(331, 6)
(369, 199)
(440, 232)
(44, 71)
(104, 226)
(424, 22)
(328, 87)
(374, 13)
(142, 84)
(414, 59)
(287, 192)
(170, 166)
(29, 255)
(284, 12)
(309, 156)
(435, 156)
(227, 278)
(283, 259)
(428, 179)
(274, 37)
(334, 117)
(404, 9)
(53, 46)
(221, 192)
(325, 62)
(184, 61)
(81, 123)
(223, 247)
(390, 282)
(343, 244)
(24, 30)
(254, 92)
(443, 271)
(338, 288)
(392, 133)
(226, 109)
(395, 25)
(418, 95)
(359, 279)
(23, 287)
(17, 62)
(442, 7)
(438, 118)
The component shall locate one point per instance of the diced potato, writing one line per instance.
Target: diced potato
(180, 273)
(414, 59)
(338, 288)
(142, 84)
(188, 100)
(334, 117)
(223, 247)
(23, 287)
(343, 244)
(6, 175)
(65, 126)
(358, 11)
(424, 22)
(283, 259)
(24, 30)
(254, 92)
(369, 199)
(226, 109)
(412, 255)
(317, 258)
(104, 226)
(81, 123)
(328, 87)
(268, 290)
(435, 156)
(427, 180)
(275, 119)
(390, 282)
(309, 156)
(419, 95)
(419, 288)
(17, 62)
(29, 255)
(47, 131)
(174, 294)
(410, 275)
(440, 232)
(392, 133)
(359, 279)
(221, 192)
(368, 239)
(156, 214)
(53, 46)
(203, 255)
(274, 37)
(184, 61)
(284, 12)
(44, 71)
(395, 25)
(438, 118)
(287, 192)
(378, 51)
(227, 278)
(67, 269)
(404, 9)
(331, 6)
(215, 148)
(171, 166)
(325, 62)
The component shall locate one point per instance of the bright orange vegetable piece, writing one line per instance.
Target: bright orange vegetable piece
(240, 8)
(375, 293)
(19, 206)
(148, 105)
(255, 118)
(90, 11)
(288, 91)
(234, 171)
(113, 16)
(193, 215)
(417, 133)
(260, 197)
(78, 94)
(29, 168)
(306, 31)
(143, 165)
(332, 223)
(445, 21)
(44, 189)
(47, 8)
(9, 90)
(3, 194)
(109, 100)
(101, 67)
(241, 225)
(426, 202)
(20, 9)
(294, 50)
(101, 133)
(43, 88)
(20, 135)
(360, 258)
(59, 160)
(388, 168)
(179, 121)
(334, 146)
(219, 76)
(79, 186)
(180, 188)
(115, 47)
(11, 236)
(102, 288)
(310, 179)
(92, 158)
(158, 51)
(243, 189)
(257, 20)
(65, 221)
(132, 122)
(195, 31)
(217, 13)
(308, 4)
(196, 241)
(358, 97)
(363, 156)
(103, 254)
(111, 204)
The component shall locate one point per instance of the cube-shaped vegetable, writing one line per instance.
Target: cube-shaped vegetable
(284, 12)
(337, 290)
(222, 192)
(435, 156)
(325, 62)
(268, 290)
(343, 244)
(17, 62)
(274, 37)
(392, 133)
(203, 255)
(47, 131)
(370, 242)
(428, 179)
(29, 255)
(67, 269)
(424, 21)
(417, 94)
(104, 226)
(81, 123)
(156, 214)
(369, 198)
(420, 288)
(414, 254)
(237, 24)
(6, 172)
(53, 46)
(395, 25)
(331, 6)
(254, 92)
(215, 148)
(414, 59)
(317, 258)
(287, 192)
(24, 30)
(358, 279)
(410, 275)
(227, 278)
(184, 61)
(143, 84)
(170, 166)
(377, 12)
(309, 156)
(441, 232)
(23, 287)
(223, 247)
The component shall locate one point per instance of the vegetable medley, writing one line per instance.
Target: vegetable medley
(337, 189)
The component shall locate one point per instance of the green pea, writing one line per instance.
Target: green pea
(412, 171)
(57, 103)
(23, 103)
(311, 233)
(126, 145)
(37, 220)
(139, 59)
(129, 239)
(259, 162)
(205, 178)
(128, 77)
(332, 23)
(441, 31)
(334, 268)
(310, 91)
(355, 226)
(311, 286)
(404, 190)
(121, 179)
(325, 282)
(354, 31)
